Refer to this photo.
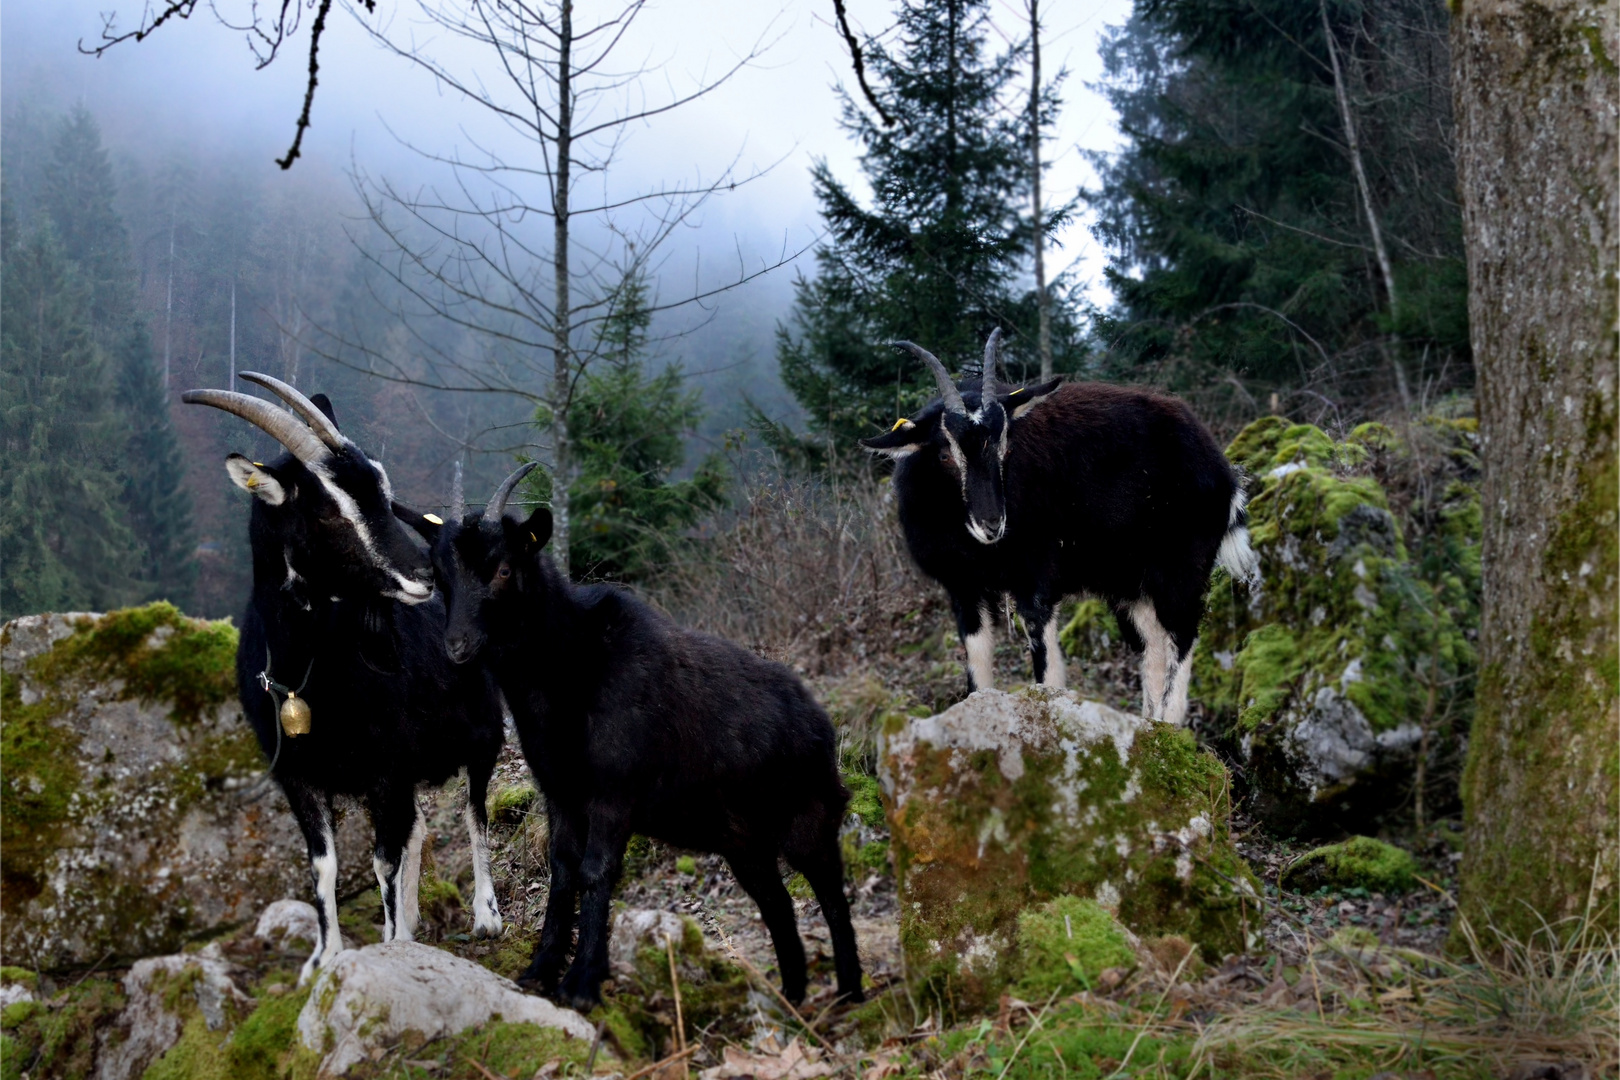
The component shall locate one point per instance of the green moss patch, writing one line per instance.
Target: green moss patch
(640, 1011)
(1360, 862)
(511, 804)
(1065, 944)
(1090, 632)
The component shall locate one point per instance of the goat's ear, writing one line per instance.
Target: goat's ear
(1025, 398)
(904, 438)
(324, 403)
(256, 478)
(531, 535)
(427, 526)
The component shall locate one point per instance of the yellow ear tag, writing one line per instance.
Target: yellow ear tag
(433, 519)
(252, 481)
(898, 424)
(533, 538)
(1016, 392)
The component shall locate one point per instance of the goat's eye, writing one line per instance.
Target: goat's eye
(504, 572)
(945, 456)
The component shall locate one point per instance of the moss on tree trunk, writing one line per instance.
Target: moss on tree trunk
(1537, 112)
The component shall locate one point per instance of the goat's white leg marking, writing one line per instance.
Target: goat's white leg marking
(410, 877)
(1056, 670)
(1155, 657)
(325, 870)
(388, 886)
(1175, 709)
(486, 912)
(981, 652)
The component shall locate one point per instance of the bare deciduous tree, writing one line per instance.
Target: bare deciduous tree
(478, 253)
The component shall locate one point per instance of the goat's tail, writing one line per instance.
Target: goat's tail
(1235, 554)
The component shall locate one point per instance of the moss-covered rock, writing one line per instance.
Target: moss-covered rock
(1008, 800)
(639, 1007)
(130, 818)
(1359, 647)
(1090, 631)
(1359, 863)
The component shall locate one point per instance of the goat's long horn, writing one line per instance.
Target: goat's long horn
(458, 500)
(280, 424)
(947, 389)
(324, 429)
(992, 356)
(497, 501)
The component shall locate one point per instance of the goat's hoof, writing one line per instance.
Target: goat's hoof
(487, 928)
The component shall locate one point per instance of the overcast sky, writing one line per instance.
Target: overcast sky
(195, 82)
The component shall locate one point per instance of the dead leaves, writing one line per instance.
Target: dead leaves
(792, 1062)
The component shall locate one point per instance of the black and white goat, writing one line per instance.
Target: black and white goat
(1040, 492)
(632, 724)
(343, 613)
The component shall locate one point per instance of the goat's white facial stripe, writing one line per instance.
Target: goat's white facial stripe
(409, 591)
(958, 457)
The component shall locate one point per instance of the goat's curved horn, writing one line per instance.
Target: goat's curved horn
(992, 356)
(280, 424)
(947, 389)
(458, 500)
(497, 501)
(324, 429)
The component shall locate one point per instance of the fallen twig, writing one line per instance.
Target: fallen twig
(655, 1066)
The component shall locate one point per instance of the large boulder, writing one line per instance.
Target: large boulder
(132, 816)
(1008, 800)
(1356, 652)
(163, 993)
(381, 995)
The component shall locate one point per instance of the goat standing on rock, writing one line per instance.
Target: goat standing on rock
(343, 601)
(633, 724)
(1044, 491)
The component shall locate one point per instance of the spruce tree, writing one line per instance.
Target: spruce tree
(935, 258)
(157, 505)
(628, 427)
(66, 545)
(79, 194)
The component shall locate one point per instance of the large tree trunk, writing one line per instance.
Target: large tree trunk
(1536, 97)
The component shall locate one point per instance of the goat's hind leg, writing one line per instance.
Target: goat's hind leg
(1045, 654)
(1156, 651)
(397, 821)
(486, 912)
(974, 621)
(313, 811)
(822, 864)
(608, 822)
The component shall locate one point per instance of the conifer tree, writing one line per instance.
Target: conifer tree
(157, 505)
(78, 195)
(65, 543)
(628, 427)
(934, 259)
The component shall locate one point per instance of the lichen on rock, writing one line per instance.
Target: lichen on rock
(131, 816)
(1008, 800)
(1360, 642)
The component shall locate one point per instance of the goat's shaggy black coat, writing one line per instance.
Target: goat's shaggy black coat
(632, 724)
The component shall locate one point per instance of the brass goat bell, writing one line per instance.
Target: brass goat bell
(295, 715)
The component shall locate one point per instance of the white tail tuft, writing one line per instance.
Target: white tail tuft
(1235, 555)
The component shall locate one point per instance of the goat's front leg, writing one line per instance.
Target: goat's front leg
(1045, 654)
(567, 847)
(397, 822)
(608, 822)
(486, 912)
(973, 623)
(313, 811)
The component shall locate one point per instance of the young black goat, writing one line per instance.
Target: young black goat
(343, 613)
(633, 724)
(1044, 491)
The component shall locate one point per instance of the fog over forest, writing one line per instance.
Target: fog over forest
(192, 132)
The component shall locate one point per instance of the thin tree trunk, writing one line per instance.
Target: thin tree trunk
(1538, 107)
(561, 384)
(1043, 303)
(168, 308)
(1385, 267)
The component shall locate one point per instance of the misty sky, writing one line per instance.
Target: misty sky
(194, 82)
